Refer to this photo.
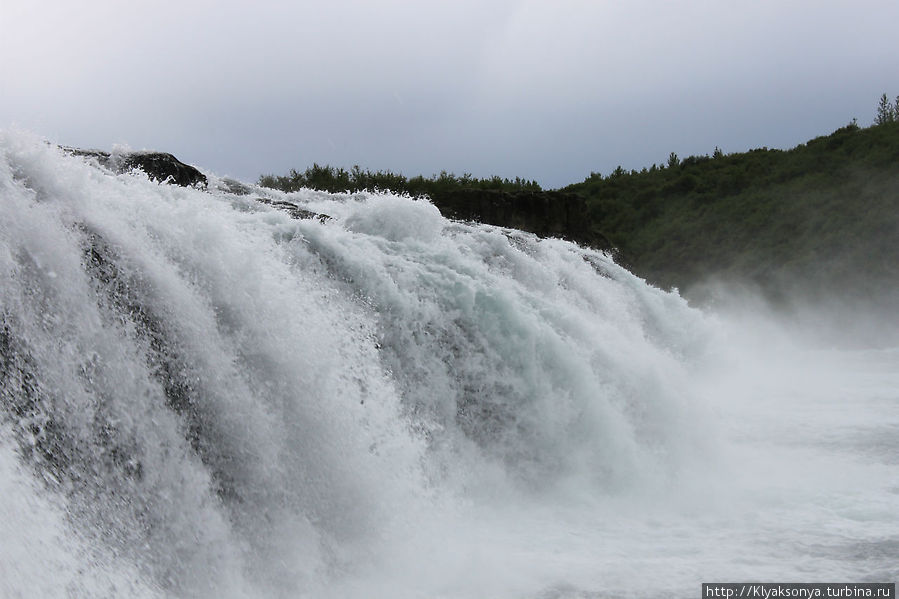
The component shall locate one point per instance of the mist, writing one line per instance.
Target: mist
(207, 395)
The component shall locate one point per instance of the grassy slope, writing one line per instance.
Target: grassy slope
(822, 217)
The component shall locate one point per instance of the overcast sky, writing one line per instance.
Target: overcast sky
(547, 90)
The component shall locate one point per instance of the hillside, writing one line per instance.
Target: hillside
(820, 218)
(818, 221)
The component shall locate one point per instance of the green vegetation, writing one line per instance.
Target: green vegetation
(336, 180)
(886, 112)
(821, 219)
(822, 215)
(515, 203)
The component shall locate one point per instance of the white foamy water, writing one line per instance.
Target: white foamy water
(204, 397)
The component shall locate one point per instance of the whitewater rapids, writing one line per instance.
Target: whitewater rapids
(205, 397)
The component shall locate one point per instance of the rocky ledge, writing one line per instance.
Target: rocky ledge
(165, 168)
(159, 166)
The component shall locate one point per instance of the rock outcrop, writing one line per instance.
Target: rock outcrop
(159, 166)
(165, 167)
(293, 210)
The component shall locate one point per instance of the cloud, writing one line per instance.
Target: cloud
(542, 90)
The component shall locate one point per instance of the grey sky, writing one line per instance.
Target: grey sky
(543, 90)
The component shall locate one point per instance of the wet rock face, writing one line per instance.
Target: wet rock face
(293, 210)
(164, 167)
(159, 166)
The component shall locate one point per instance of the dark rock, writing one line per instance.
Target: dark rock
(293, 210)
(165, 168)
(236, 187)
(159, 166)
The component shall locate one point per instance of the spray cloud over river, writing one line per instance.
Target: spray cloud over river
(203, 396)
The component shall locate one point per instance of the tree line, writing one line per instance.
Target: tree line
(887, 112)
(337, 180)
(821, 215)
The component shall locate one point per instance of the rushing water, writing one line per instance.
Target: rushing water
(205, 397)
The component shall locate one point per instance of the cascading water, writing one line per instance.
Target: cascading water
(203, 396)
